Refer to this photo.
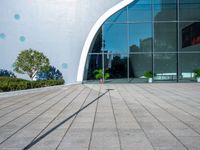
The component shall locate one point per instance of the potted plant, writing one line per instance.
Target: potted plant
(100, 75)
(197, 74)
(149, 75)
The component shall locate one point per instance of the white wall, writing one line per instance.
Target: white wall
(58, 28)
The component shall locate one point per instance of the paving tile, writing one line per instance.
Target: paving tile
(130, 117)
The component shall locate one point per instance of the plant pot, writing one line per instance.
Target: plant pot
(198, 80)
(150, 80)
(101, 81)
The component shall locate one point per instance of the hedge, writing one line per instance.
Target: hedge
(13, 84)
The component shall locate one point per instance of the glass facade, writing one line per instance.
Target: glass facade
(161, 36)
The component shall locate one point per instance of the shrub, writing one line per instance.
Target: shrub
(12, 84)
(3, 87)
(22, 86)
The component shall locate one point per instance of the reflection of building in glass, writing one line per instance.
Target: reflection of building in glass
(145, 43)
(134, 48)
(143, 46)
(153, 44)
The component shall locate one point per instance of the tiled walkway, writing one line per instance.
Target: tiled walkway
(81, 117)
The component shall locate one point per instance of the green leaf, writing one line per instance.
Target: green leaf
(29, 61)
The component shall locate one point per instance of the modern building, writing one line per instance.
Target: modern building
(125, 37)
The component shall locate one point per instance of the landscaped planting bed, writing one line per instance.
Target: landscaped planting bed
(13, 84)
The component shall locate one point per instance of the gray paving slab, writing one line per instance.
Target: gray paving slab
(33, 129)
(129, 117)
(130, 133)
(104, 134)
(29, 115)
(61, 131)
(78, 135)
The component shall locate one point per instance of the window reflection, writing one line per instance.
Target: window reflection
(116, 64)
(165, 66)
(147, 36)
(165, 37)
(189, 36)
(189, 10)
(120, 16)
(140, 37)
(115, 38)
(97, 44)
(188, 63)
(140, 11)
(94, 61)
(164, 10)
(139, 64)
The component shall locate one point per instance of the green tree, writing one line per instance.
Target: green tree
(30, 62)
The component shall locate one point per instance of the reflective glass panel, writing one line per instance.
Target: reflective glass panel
(120, 16)
(189, 36)
(189, 10)
(138, 65)
(116, 65)
(188, 63)
(97, 44)
(140, 11)
(140, 37)
(165, 66)
(165, 37)
(164, 10)
(115, 38)
(94, 62)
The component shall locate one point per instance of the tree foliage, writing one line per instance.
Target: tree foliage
(6, 73)
(54, 73)
(31, 61)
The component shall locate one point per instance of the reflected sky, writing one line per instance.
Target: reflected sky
(120, 16)
(115, 38)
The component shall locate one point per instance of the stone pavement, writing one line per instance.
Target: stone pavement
(125, 117)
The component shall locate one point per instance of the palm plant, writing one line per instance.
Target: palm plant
(101, 75)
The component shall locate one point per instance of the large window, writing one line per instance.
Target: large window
(189, 10)
(115, 38)
(161, 36)
(94, 62)
(164, 10)
(116, 64)
(140, 11)
(140, 37)
(165, 67)
(138, 65)
(165, 37)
